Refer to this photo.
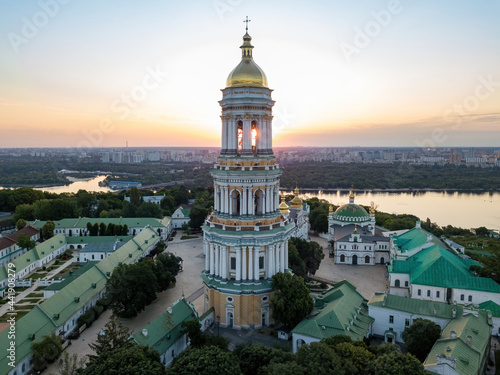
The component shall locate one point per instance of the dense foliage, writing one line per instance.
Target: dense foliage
(324, 175)
(420, 337)
(304, 257)
(114, 335)
(292, 301)
(132, 287)
(46, 351)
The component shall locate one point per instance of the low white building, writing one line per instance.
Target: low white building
(365, 250)
(156, 199)
(181, 216)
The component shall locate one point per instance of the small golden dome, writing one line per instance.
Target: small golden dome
(296, 202)
(283, 206)
(247, 72)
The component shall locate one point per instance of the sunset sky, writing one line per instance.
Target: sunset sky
(344, 73)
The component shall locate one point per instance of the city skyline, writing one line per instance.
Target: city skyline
(380, 73)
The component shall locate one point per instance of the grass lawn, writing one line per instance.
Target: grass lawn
(40, 288)
(32, 300)
(19, 315)
(37, 295)
(38, 275)
(188, 237)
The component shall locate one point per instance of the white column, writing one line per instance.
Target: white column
(212, 259)
(266, 197)
(238, 264)
(251, 201)
(225, 199)
(207, 255)
(270, 257)
(217, 257)
(256, 253)
(216, 198)
(286, 254)
(230, 202)
(282, 257)
(263, 127)
(224, 135)
(276, 197)
(247, 137)
(244, 201)
(224, 263)
(271, 198)
(277, 258)
(270, 134)
(244, 263)
(250, 263)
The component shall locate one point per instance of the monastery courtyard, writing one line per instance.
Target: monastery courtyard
(367, 279)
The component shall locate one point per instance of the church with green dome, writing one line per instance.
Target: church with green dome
(354, 237)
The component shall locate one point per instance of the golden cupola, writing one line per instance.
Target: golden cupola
(296, 202)
(283, 206)
(247, 73)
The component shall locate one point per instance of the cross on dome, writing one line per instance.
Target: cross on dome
(247, 21)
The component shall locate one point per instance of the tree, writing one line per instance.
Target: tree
(46, 351)
(48, 229)
(482, 231)
(131, 288)
(168, 204)
(290, 368)
(197, 216)
(135, 197)
(70, 365)
(131, 359)
(25, 242)
(295, 262)
(170, 262)
(420, 337)
(102, 229)
(310, 252)
(319, 358)
(292, 301)
(390, 361)
(20, 224)
(355, 358)
(253, 357)
(207, 360)
(149, 209)
(114, 335)
(193, 330)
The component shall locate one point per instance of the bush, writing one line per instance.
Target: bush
(323, 285)
(86, 318)
(98, 310)
(103, 302)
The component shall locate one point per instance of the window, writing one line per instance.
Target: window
(437, 294)
(406, 284)
(419, 292)
(407, 322)
(470, 298)
(428, 293)
(462, 297)
(233, 263)
(391, 318)
(367, 259)
(261, 262)
(397, 283)
(342, 258)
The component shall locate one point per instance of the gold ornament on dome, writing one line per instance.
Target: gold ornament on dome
(247, 116)
(330, 209)
(266, 117)
(228, 117)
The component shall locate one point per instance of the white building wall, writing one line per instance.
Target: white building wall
(474, 296)
(299, 340)
(175, 350)
(428, 293)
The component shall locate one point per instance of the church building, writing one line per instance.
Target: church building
(246, 235)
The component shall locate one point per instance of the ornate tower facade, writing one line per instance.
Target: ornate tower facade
(246, 236)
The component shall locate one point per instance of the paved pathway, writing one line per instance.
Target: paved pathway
(34, 285)
(188, 282)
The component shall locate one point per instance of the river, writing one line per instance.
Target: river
(466, 210)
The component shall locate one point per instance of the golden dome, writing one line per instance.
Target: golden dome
(247, 72)
(283, 206)
(296, 202)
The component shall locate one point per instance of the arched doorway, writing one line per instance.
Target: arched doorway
(258, 202)
(382, 260)
(229, 319)
(354, 259)
(367, 259)
(342, 258)
(235, 203)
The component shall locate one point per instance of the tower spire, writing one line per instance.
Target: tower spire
(247, 21)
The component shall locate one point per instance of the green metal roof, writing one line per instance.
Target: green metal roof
(82, 222)
(415, 306)
(71, 276)
(435, 266)
(264, 285)
(414, 238)
(492, 306)
(40, 251)
(338, 311)
(96, 239)
(469, 357)
(165, 330)
(64, 304)
(351, 210)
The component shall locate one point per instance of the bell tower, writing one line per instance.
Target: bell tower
(246, 236)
